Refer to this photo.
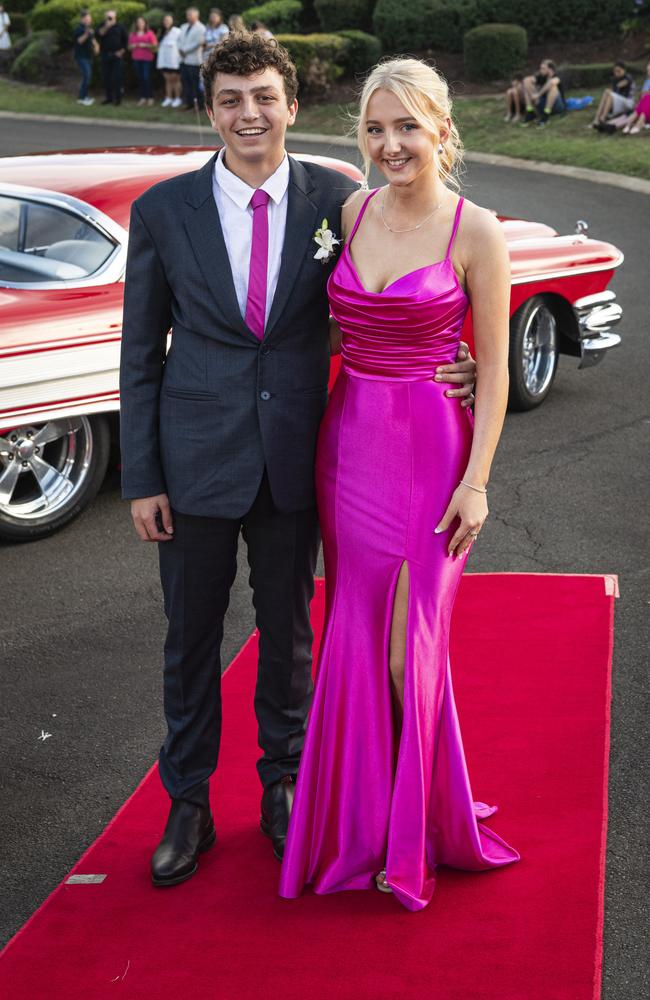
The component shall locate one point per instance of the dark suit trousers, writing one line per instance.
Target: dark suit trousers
(197, 571)
(112, 67)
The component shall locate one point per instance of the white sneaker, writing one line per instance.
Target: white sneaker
(86, 101)
(177, 102)
(167, 103)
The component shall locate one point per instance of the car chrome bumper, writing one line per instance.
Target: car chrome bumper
(596, 315)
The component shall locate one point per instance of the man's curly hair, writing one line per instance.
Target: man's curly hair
(244, 54)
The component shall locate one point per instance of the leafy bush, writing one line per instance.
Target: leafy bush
(278, 15)
(494, 51)
(363, 51)
(18, 25)
(422, 24)
(18, 7)
(319, 58)
(593, 74)
(36, 64)
(585, 75)
(338, 15)
(60, 16)
(154, 17)
(18, 45)
(571, 20)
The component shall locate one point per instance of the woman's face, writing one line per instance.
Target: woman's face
(167, 22)
(140, 25)
(398, 145)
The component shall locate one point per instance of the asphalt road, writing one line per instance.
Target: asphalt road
(83, 627)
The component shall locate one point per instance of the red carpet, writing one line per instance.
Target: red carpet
(531, 661)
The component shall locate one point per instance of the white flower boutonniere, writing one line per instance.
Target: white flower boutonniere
(326, 241)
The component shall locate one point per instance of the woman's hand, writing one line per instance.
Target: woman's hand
(471, 508)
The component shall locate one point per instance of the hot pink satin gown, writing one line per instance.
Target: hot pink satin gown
(392, 448)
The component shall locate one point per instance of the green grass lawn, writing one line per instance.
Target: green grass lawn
(480, 119)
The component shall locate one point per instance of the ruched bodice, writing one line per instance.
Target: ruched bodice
(406, 330)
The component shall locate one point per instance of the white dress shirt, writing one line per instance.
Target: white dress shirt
(232, 196)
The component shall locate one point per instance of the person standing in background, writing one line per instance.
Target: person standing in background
(236, 23)
(142, 45)
(168, 62)
(190, 46)
(215, 31)
(85, 47)
(113, 41)
(5, 40)
(259, 28)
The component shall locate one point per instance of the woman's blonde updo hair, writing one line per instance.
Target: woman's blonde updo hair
(425, 95)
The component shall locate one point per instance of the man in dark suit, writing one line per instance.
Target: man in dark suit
(218, 437)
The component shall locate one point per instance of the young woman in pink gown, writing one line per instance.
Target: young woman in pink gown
(383, 794)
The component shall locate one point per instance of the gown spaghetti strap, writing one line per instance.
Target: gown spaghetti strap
(391, 450)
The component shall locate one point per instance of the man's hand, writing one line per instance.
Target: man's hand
(462, 371)
(150, 515)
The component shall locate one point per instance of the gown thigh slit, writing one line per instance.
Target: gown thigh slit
(391, 450)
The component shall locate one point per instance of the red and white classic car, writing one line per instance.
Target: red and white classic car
(63, 235)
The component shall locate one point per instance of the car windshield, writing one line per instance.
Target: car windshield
(43, 243)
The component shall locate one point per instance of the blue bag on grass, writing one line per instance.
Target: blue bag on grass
(577, 103)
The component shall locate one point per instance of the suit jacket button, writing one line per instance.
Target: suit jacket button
(265, 395)
(266, 350)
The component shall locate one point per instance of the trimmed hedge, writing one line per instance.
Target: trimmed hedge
(423, 24)
(61, 16)
(494, 51)
(36, 63)
(363, 51)
(278, 15)
(570, 20)
(339, 15)
(413, 25)
(587, 74)
(320, 59)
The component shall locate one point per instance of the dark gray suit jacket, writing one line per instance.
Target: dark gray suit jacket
(202, 423)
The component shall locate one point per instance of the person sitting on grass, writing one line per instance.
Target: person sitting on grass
(640, 118)
(515, 99)
(618, 98)
(544, 94)
(627, 121)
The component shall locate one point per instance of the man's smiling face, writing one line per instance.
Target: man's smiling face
(251, 114)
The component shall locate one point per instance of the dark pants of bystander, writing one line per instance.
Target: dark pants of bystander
(112, 76)
(190, 76)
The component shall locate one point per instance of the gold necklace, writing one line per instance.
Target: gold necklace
(413, 228)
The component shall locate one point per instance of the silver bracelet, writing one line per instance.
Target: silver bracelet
(470, 487)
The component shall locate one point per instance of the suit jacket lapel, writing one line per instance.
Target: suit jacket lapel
(301, 225)
(204, 229)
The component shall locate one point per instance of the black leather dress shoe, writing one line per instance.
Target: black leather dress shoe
(277, 800)
(189, 831)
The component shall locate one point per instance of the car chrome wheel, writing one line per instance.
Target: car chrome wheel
(533, 354)
(539, 350)
(49, 472)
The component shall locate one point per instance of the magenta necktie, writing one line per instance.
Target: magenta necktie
(257, 275)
